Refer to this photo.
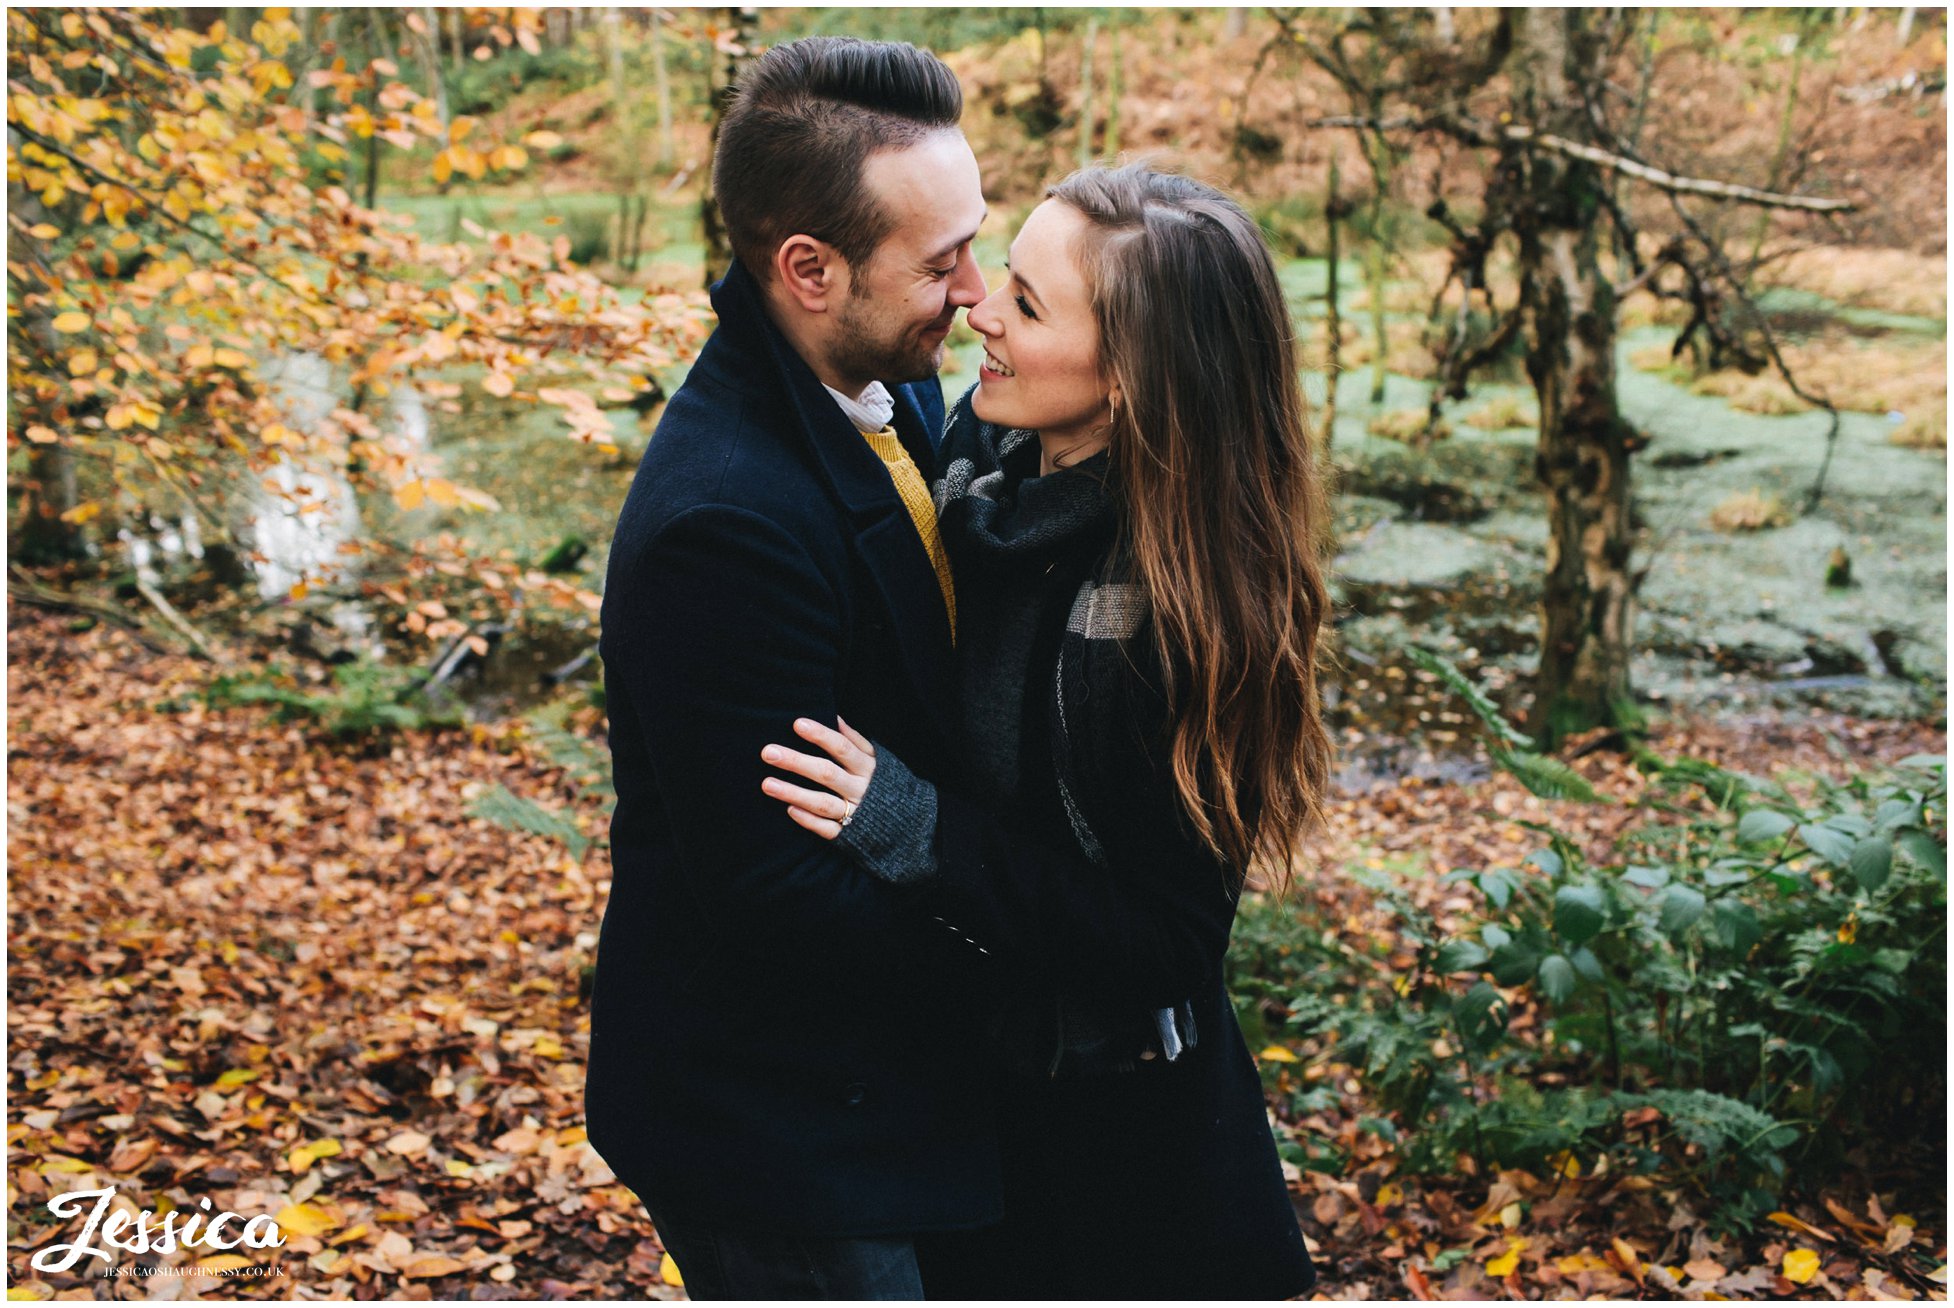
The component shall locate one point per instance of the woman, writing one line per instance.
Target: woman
(1131, 507)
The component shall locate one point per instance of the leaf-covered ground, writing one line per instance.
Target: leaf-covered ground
(295, 978)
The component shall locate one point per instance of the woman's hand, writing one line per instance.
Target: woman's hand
(845, 773)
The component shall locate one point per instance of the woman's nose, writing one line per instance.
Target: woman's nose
(984, 319)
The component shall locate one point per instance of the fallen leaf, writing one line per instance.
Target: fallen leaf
(433, 1265)
(304, 1219)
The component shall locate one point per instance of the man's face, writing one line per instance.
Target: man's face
(902, 302)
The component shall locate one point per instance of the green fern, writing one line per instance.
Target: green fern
(1474, 697)
(1546, 777)
(512, 812)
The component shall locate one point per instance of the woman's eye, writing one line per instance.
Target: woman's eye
(1024, 307)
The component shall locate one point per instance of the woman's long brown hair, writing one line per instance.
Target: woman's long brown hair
(1224, 523)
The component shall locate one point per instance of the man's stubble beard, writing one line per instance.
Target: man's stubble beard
(857, 352)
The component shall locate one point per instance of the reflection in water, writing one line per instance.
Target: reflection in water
(303, 510)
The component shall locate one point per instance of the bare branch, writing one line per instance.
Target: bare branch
(1670, 182)
(1468, 131)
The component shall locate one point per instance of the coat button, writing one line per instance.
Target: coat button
(855, 1094)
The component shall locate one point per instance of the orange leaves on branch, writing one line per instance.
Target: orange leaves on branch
(196, 149)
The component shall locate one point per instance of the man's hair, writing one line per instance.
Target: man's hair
(800, 123)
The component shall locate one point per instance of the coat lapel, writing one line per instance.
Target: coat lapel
(885, 535)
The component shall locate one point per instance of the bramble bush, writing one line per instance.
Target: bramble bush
(1749, 989)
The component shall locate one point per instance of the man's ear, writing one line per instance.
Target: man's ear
(810, 271)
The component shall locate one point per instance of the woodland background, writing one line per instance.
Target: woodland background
(334, 337)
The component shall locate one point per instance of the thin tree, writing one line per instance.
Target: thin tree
(734, 46)
(1551, 145)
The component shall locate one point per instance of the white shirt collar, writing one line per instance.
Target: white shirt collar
(871, 410)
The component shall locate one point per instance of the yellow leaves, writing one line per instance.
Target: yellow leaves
(31, 1292)
(124, 241)
(1801, 1265)
(1277, 1054)
(1509, 1262)
(1797, 1224)
(82, 362)
(460, 159)
(459, 129)
(72, 321)
(508, 157)
(128, 413)
(455, 1167)
(268, 75)
(238, 1076)
(281, 436)
(359, 122)
(199, 356)
(44, 231)
(548, 1047)
(235, 360)
(433, 1265)
(42, 436)
(542, 140)
(62, 1164)
(301, 1159)
(438, 347)
(305, 1219)
(668, 1271)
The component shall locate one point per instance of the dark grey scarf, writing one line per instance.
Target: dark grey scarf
(1016, 539)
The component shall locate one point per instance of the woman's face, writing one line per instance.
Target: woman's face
(1041, 342)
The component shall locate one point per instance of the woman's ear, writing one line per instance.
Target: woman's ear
(810, 271)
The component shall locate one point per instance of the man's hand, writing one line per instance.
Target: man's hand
(845, 773)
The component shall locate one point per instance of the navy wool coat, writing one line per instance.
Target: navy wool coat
(777, 1038)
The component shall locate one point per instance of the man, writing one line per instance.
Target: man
(782, 1048)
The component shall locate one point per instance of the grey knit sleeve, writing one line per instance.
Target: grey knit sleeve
(893, 832)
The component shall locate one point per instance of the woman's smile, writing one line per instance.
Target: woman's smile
(993, 369)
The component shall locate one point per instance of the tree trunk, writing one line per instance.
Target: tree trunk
(719, 251)
(1085, 92)
(663, 73)
(1332, 311)
(1377, 267)
(1582, 460)
(1113, 87)
(455, 39)
(41, 535)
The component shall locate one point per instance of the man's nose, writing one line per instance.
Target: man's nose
(967, 282)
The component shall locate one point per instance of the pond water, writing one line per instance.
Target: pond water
(1444, 548)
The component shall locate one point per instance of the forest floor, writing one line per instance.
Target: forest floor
(297, 978)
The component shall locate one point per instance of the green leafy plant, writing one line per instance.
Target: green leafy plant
(1748, 985)
(366, 700)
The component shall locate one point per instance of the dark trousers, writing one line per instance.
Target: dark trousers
(720, 1263)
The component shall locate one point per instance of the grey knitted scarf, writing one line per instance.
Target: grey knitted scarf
(993, 527)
